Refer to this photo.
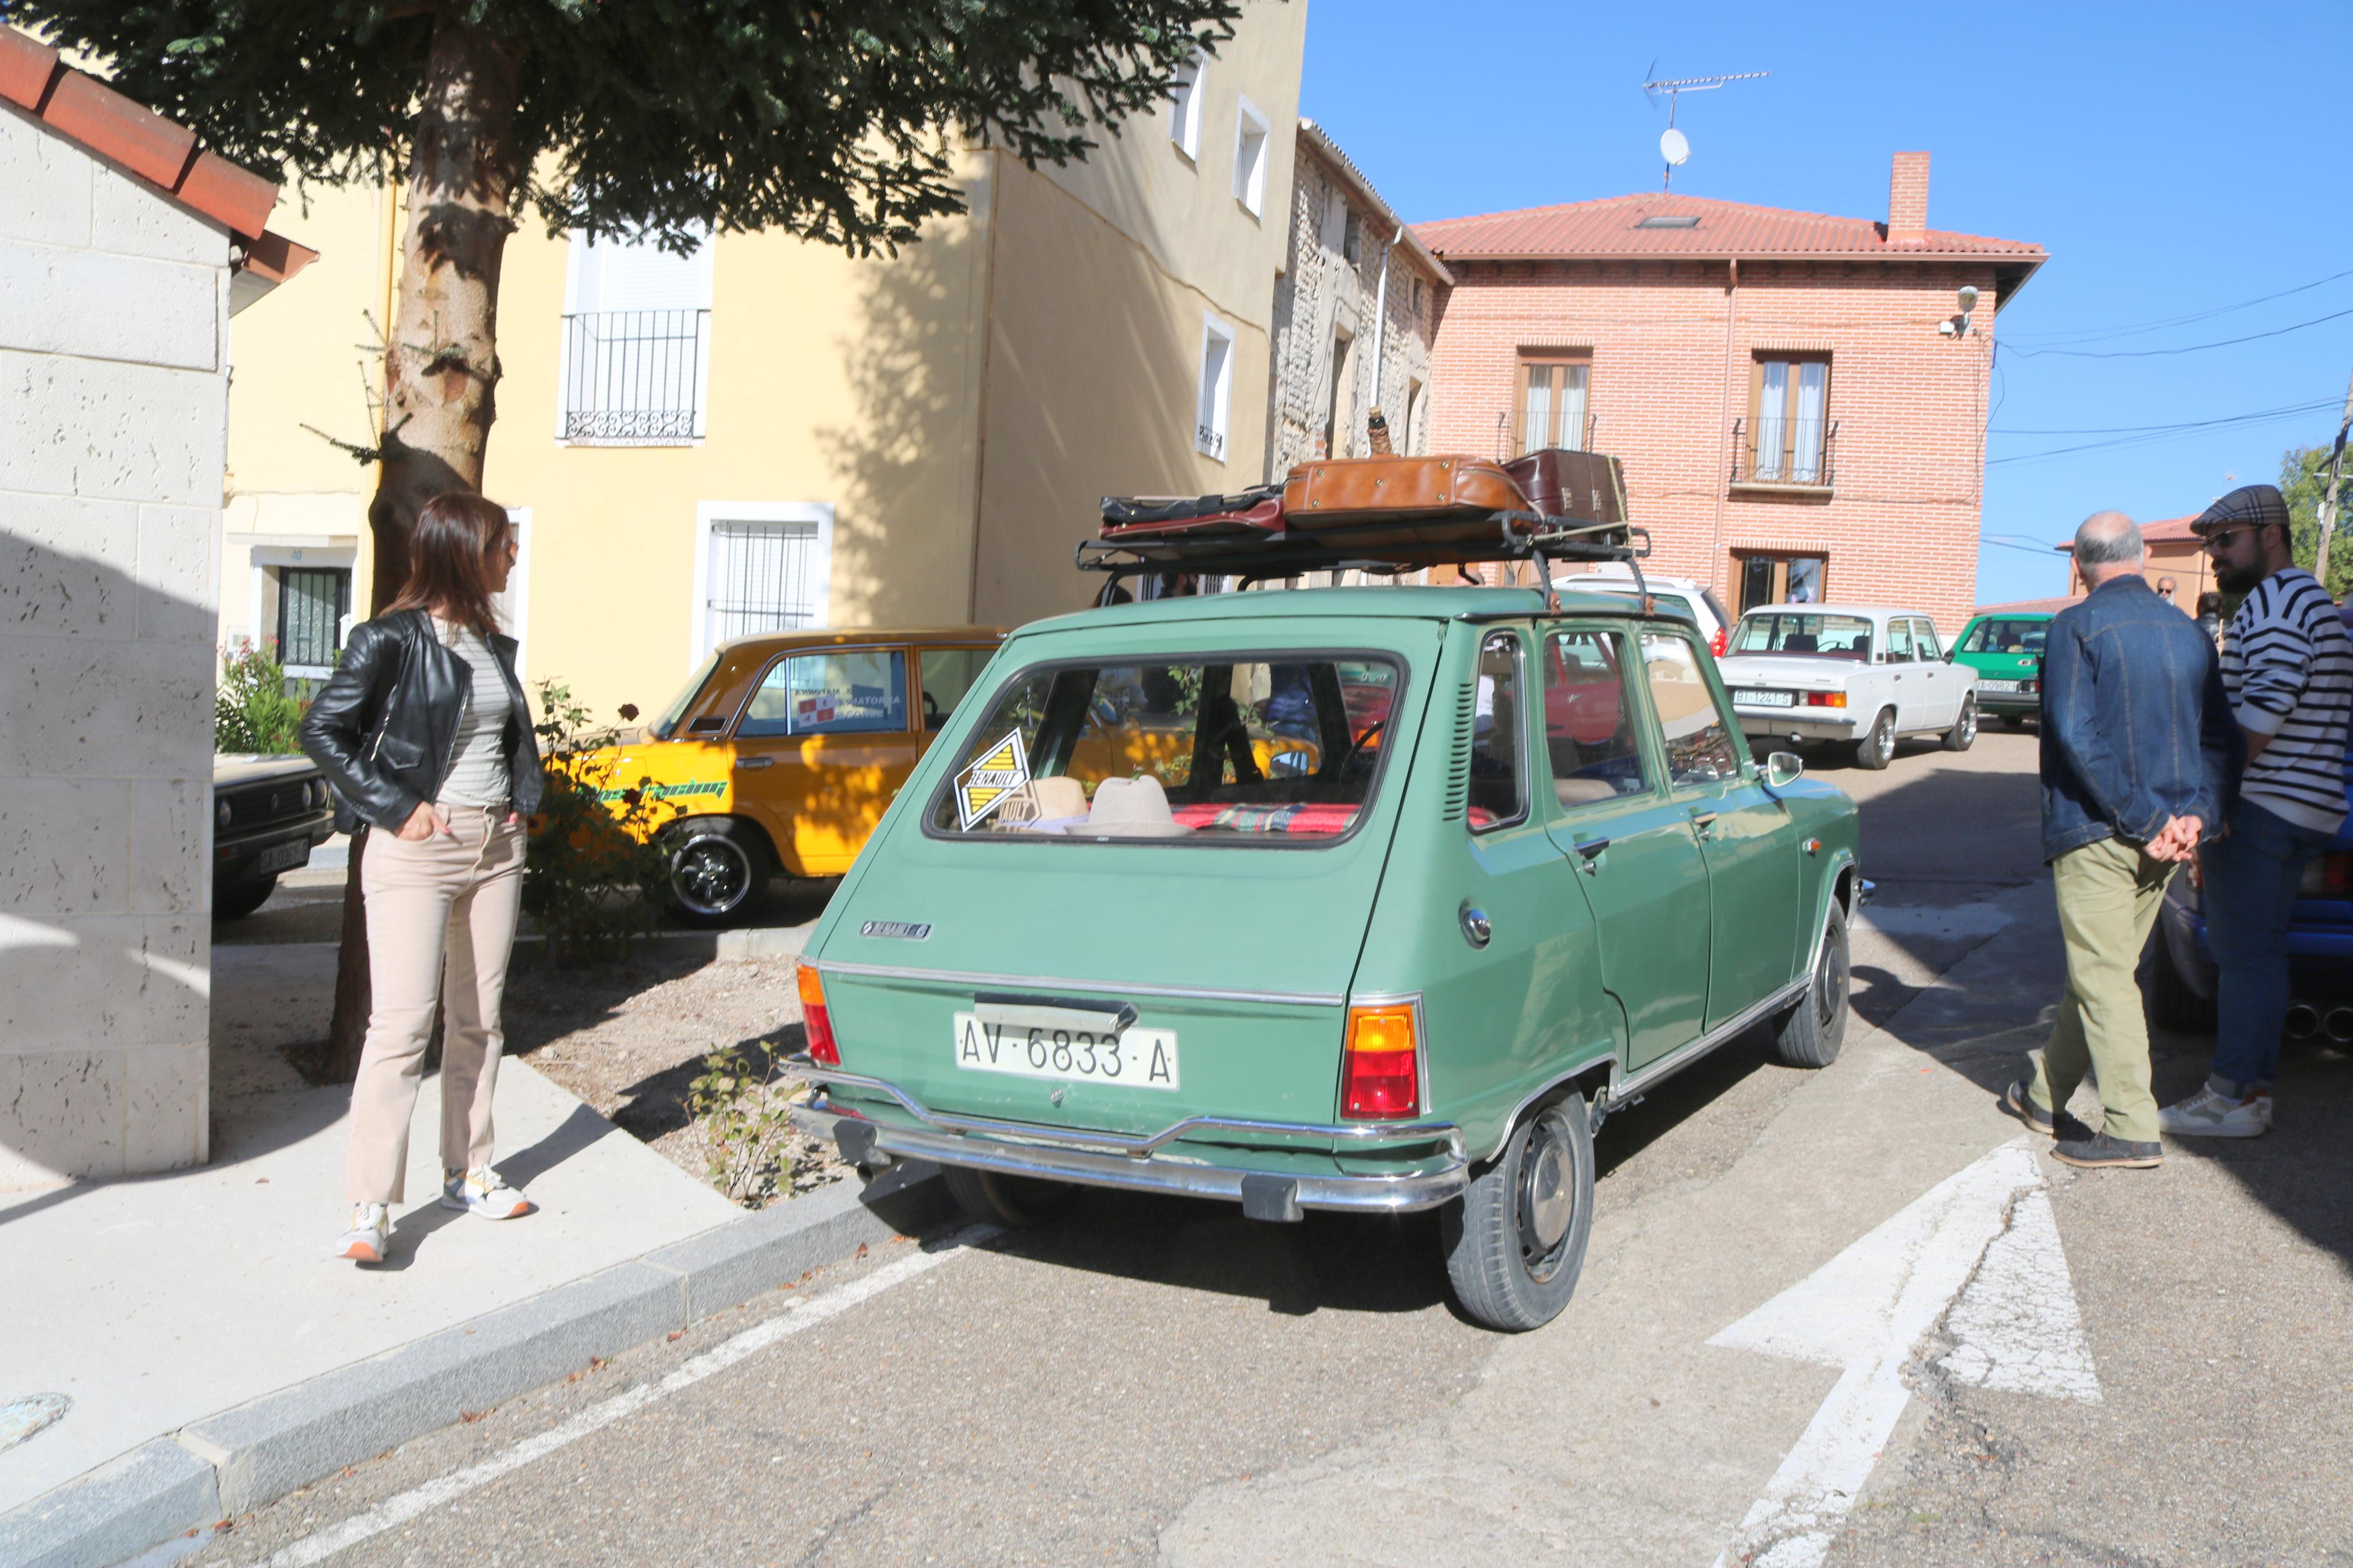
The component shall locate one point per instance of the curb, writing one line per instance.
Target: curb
(256, 1452)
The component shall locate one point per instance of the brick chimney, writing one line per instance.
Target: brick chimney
(1907, 199)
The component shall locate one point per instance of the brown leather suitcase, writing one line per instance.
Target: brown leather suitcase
(1583, 487)
(1340, 491)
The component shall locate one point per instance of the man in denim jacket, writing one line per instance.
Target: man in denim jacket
(2136, 747)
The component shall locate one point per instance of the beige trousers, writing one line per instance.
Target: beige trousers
(440, 924)
(2108, 897)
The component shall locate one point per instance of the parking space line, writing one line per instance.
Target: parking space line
(799, 1316)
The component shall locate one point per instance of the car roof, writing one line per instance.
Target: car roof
(836, 637)
(1865, 611)
(1382, 603)
(1621, 574)
(1976, 616)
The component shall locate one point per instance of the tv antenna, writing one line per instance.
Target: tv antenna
(1673, 145)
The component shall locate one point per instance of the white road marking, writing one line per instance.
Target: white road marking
(798, 1317)
(1985, 1235)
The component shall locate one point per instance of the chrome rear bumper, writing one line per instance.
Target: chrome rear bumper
(1139, 1163)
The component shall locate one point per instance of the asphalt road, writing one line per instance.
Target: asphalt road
(1157, 1381)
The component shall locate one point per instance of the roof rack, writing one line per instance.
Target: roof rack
(1384, 545)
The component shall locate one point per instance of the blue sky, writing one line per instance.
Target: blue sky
(2172, 159)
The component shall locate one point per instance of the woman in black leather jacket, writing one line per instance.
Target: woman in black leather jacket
(426, 738)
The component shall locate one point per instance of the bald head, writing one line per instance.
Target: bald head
(2107, 545)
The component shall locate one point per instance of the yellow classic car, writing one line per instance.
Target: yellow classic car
(781, 752)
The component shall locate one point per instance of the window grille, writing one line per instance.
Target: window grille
(634, 376)
(762, 578)
(311, 602)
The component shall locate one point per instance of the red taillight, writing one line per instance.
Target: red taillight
(815, 1019)
(1381, 1077)
(2033, 686)
(2330, 876)
(1825, 698)
(1721, 641)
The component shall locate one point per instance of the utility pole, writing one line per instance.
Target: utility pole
(2328, 503)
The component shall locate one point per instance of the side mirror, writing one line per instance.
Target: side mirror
(1783, 768)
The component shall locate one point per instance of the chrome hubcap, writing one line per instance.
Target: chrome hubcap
(709, 875)
(1548, 1194)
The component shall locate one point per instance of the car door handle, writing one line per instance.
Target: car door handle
(1591, 849)
(755, 762)
(1703, 822)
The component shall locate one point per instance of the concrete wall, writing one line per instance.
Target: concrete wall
(1671, 344)
(1323, 294)
(113, 410)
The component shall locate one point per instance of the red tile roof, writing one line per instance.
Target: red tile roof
(85, 111)
(1609, 227)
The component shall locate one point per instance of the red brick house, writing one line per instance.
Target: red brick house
(1800, 410)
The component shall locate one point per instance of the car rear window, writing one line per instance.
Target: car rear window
(2006, 637)
(1269, 749)
(1838, 636)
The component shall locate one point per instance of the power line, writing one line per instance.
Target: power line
(2153, 437)
(2186, 425)
(2095, 334)
(2187, 349)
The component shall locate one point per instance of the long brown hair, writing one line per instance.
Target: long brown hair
(449, 560)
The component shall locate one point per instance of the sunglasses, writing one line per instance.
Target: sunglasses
(2222, 538)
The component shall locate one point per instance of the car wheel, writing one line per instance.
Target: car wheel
(1809, 1033)
(1015, 1202)
(1964, 732)
(718, 872)
(1515, 1241)
(235, 900)
(1876, 750)
(2172, 1005)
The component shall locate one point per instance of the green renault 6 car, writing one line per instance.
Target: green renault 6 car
(2005, 648)
(1370, 900)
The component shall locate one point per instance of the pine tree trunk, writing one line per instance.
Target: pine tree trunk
(441, 363)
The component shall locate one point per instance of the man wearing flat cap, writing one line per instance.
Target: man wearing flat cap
(2288, 669)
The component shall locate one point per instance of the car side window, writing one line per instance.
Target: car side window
(1698, 734)
(1496, 767)
(1589, 719)
(947, 674)
(850, 692)
(1923, 642)
(1899, 642)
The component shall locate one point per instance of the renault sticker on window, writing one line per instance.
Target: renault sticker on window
(996, 774)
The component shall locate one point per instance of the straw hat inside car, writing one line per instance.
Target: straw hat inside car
(1133, 808)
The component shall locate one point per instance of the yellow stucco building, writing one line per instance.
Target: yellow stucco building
(773, 434)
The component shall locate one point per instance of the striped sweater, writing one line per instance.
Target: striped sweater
(2287, 668)
(478, 771)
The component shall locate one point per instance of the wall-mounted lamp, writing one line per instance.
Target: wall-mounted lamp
(1954, 326)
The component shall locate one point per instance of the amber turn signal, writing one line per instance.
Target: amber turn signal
(1381, 1077)
(816, 1020)
(1825, 698)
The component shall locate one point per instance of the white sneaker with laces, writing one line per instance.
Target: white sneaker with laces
(370, 1238)
(484, 1192)
(2207, 1114)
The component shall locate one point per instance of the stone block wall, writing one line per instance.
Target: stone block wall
(113, 417)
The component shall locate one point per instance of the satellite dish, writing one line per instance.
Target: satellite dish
(1675, 147)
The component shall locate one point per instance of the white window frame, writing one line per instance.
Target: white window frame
(1250, 180)
(709, 513)
(708, 257)
(282, 552)
(1185, 113)
(1213, 439)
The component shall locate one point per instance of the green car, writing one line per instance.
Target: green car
(2006, 650)
(1369, 899)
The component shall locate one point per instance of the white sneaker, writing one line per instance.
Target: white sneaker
(484, 1192)
(2207, 1114)
(370, 1238)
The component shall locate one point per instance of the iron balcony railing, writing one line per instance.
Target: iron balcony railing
(634, 375)
(1793, 454)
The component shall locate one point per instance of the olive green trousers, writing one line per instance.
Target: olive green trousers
(2108, 897)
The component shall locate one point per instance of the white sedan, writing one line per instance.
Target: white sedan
(1859, 675)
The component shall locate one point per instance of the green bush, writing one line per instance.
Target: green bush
(252, 711)
(590, 881)
(751, 1150)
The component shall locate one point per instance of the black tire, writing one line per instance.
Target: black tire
(1515, 1241)
(1810, 1033)
(235, 900)
(1964, 732)
(718, 871)
(1017, 1203)
(2172, 1005)
(1877, 749)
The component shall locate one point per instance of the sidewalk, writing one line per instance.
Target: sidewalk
(203, 1303)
